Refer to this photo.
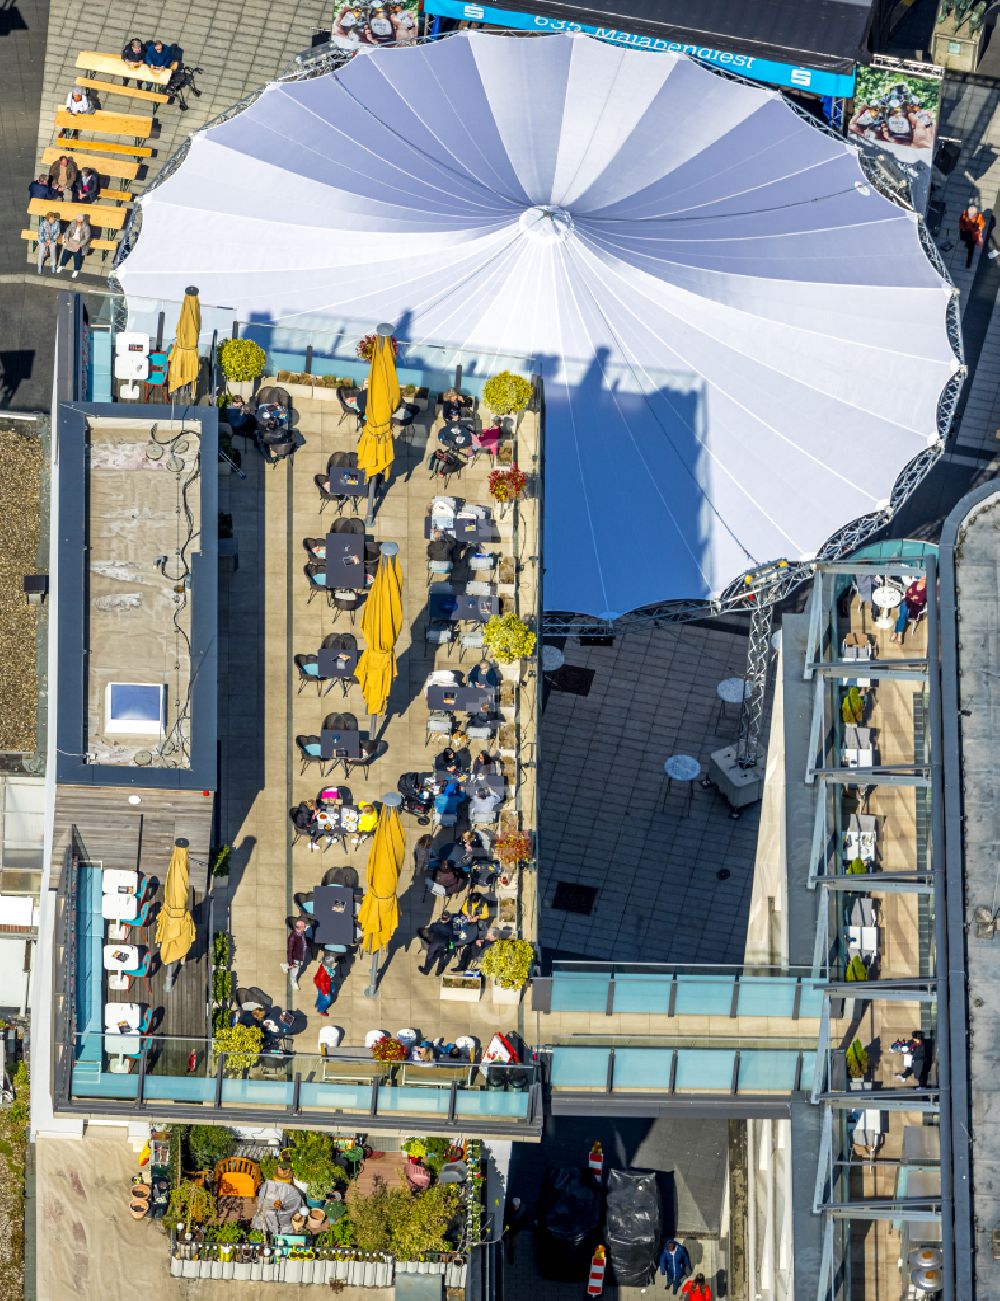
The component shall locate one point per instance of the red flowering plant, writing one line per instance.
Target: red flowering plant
(513, 848)
(388, 1049)
(366, 346)
(507, 485)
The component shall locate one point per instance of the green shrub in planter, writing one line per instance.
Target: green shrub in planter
(857, 1060)
(508, 962)
(242, 360)
(506, 393)
(856, 970)
(209, 1144)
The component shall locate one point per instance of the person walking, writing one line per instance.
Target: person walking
(916, 1049)
(76, 244)
(970, 230)
(326, 974)
(696, 1289)
(48, 240)
(515, 1220)
(439, 938)
(63, 176)
(78, 103)
(675, 1263)
(422, 853)
(297, 950)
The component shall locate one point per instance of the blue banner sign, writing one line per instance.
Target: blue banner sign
(838, 85)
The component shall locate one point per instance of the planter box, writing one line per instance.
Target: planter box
(242, 388)
(508, 996)
(461, 990)
(241, 1270)
(511, 672)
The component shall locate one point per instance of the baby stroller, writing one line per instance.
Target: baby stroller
(417, 797)
(181, 79)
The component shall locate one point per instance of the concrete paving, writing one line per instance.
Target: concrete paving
(608, 821)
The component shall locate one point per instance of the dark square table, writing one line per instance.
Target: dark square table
(491, 780)
(467, 530)
(345, 561)
(458, 607)
(347, 481)
(333, 909)
(331, 665)
(472, 700)
(348, 742)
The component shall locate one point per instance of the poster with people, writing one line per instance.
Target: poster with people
(897, 109)
(396, 23)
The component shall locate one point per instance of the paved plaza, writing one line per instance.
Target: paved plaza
(607, 820)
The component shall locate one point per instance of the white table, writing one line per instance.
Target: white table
(864, 940)
(122, 1043)
(552, 659)
(859, 846)
(732, 691)
(121, 957)
(120, 907)
(887, 599)
(682, 768)
(115, 879)
(854, 758)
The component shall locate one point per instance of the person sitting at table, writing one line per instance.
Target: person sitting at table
(41, 189)
(483, 805)
(379, 29)
(239, 415)
(475, 908)
(78, 102)
(912, 606)
(484, 675)
(303, 818)
(483, 763)
(367, 822)
(133, 54)
(450, 880)
(88, 186)
(467, 849)
(473, 952)
(422, 1054)
(448, 761)
(49, 231)
(454, 405)
(159, 55)
(448, 801)
(404, 24)
(63, 176)
(441, 552)
(439, 938)
(444, 462)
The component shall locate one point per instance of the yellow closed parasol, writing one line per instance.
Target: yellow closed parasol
(184, 362)
(379, 912)
(381, 623)
(175, 926)
(375, 450)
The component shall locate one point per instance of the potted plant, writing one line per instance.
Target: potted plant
(852, 708)
(513, 848)
(415, 1149)
(242, 361)
(856, 1060)
(508, 964)
(241, 1045)
(313, 1165)
(389, 1050)
(506, 394)
(856, 971)
(366, 346)
(296, 383)
(508, 640)
(507, 485)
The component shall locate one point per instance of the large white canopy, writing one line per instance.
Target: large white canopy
(742, 342)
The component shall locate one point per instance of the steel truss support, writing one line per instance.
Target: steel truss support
(758, 658)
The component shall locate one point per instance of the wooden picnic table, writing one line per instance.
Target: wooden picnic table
(118, 167)
(113, 65)
(105, 216)
(67, 144)
(104, 122)
(129, 92)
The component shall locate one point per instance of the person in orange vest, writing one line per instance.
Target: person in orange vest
(696, 1289)
(970, 230)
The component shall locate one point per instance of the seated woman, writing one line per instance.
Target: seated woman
(483, 763)
(475, 907)
(450, 761)
(466, 850)
(484, 674)
(449, 879)
(455, 405)
(912, 606)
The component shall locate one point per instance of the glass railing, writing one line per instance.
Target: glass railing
(109, 1068)
(666, 992)
(613, 1070)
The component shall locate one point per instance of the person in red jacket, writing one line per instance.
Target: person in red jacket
(323, 980)
(696, 1289)
(970, 230)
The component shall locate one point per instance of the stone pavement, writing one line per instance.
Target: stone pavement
(267, 618)
(606, 822)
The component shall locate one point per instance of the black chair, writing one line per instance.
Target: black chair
(404, 423)
(325, 495)
(252, 996)
(369, 751)
(345, 876)
(275, 452)
(300, 899)
(347, 412)
(311, 544)
(302, 663)
(352, 525)
(315, 572)
(301, 742)
(345, 602)
(340, 723)
(340, 641)
(275, 396)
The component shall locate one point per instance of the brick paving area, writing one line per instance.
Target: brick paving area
(604, 820)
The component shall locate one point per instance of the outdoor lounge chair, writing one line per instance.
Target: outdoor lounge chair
(308, 670)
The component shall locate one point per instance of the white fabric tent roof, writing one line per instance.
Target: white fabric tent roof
(742, 342)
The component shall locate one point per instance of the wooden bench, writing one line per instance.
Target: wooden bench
(110, 88)
(102, 122)
(112, 65)
(115, 196)
(66, 145)
(117, 167)
(102, 246)
(102, 216)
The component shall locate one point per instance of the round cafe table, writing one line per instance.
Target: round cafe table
(552, 659)
(685, 769)
(887, 599)
(457, 437)
(731, 691)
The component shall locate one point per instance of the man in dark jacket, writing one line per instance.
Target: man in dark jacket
(159, 55)
(439, 938)
(297, 950)
(63, 175)
(41, 189)
(134, 54)
(675, 1263)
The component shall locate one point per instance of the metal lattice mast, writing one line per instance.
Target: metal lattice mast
(758, 656)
